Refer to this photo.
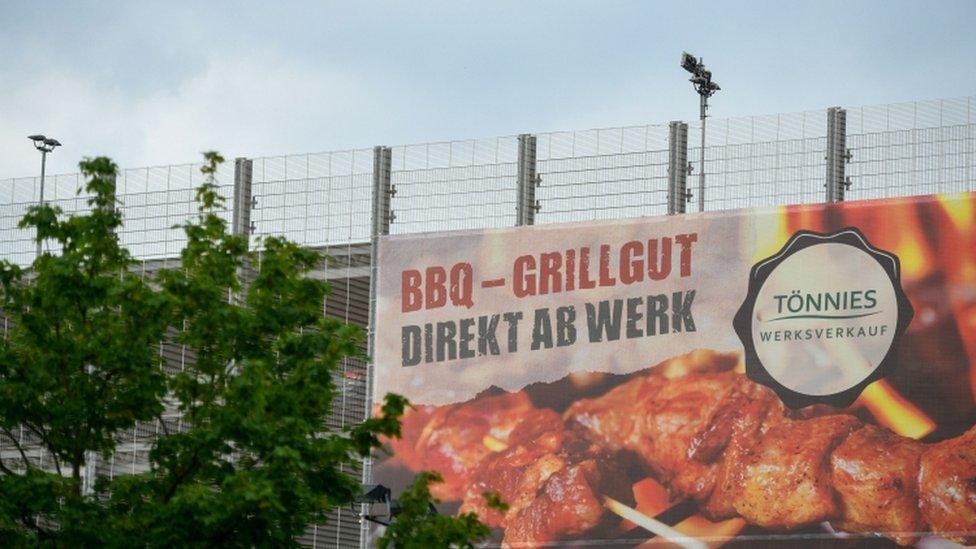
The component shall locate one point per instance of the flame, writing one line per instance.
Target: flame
(715, 534)
(960, 210)
(651, 498)
(808, 217)
(960, 268)
(894, 411)
(966, 321)
(910, 246)
(772, 232)
(914, 257)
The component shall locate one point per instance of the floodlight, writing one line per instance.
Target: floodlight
(45, 145)
(702, 80)
(373, 493)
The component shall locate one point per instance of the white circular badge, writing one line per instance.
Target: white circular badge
(824, 319)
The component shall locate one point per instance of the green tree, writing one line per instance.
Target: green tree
(418, 526)
(79, 364)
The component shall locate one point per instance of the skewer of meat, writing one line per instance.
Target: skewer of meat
(553, 479)
(729, 444)
(711, 435)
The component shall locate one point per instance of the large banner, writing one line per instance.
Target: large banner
(807, 372)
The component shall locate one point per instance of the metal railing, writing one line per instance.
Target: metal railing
(324, 199)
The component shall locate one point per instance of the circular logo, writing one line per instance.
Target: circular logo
(821, 317)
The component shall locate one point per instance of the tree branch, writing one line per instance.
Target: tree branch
(5, 470)
(159, 418)
(47, 442)
(180, 476)
(23, 455)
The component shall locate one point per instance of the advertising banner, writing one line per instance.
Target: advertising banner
(802, 375)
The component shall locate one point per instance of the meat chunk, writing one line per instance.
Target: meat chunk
(654, 417)
(743, 424)
(456, 438)
(552, 479)
(786, 478)
(947, 487)
(679, 411)
(516, 472)
(875, 475)
(568, 503)
(610, 418)
(613, 419)
(680, 418)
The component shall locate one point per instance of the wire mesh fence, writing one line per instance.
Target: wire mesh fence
(154, 202)
(760, 160)
(603, 173)
(314, 199)
(454, 185)
(912, 148)
(325, 200)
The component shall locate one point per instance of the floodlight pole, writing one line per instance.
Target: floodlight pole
(45, 145)
(40, 199)
(701, 78)
(701, 172)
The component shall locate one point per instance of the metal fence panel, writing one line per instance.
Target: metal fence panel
(454, 185)
(912, 148)
(602, 174)
(760, 160)
(314, 199)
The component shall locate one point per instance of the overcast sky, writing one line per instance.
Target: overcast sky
(156, 83)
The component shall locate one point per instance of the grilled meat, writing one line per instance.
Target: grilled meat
(947, 487)
(786, 477)
(713, 436)
(553, 480)
(452, 439)
(728, 443)
(874, 474)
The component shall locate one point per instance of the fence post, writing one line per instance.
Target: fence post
(382, 191)
(243, 201)
(526, 207)
(382, 215)
(677, 168)
(837, 155)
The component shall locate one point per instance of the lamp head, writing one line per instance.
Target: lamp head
(373, 493)
(43, 143)
(689, 62)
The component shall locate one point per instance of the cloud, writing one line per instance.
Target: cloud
(58, 103)
(248, 105)
(243, 106)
